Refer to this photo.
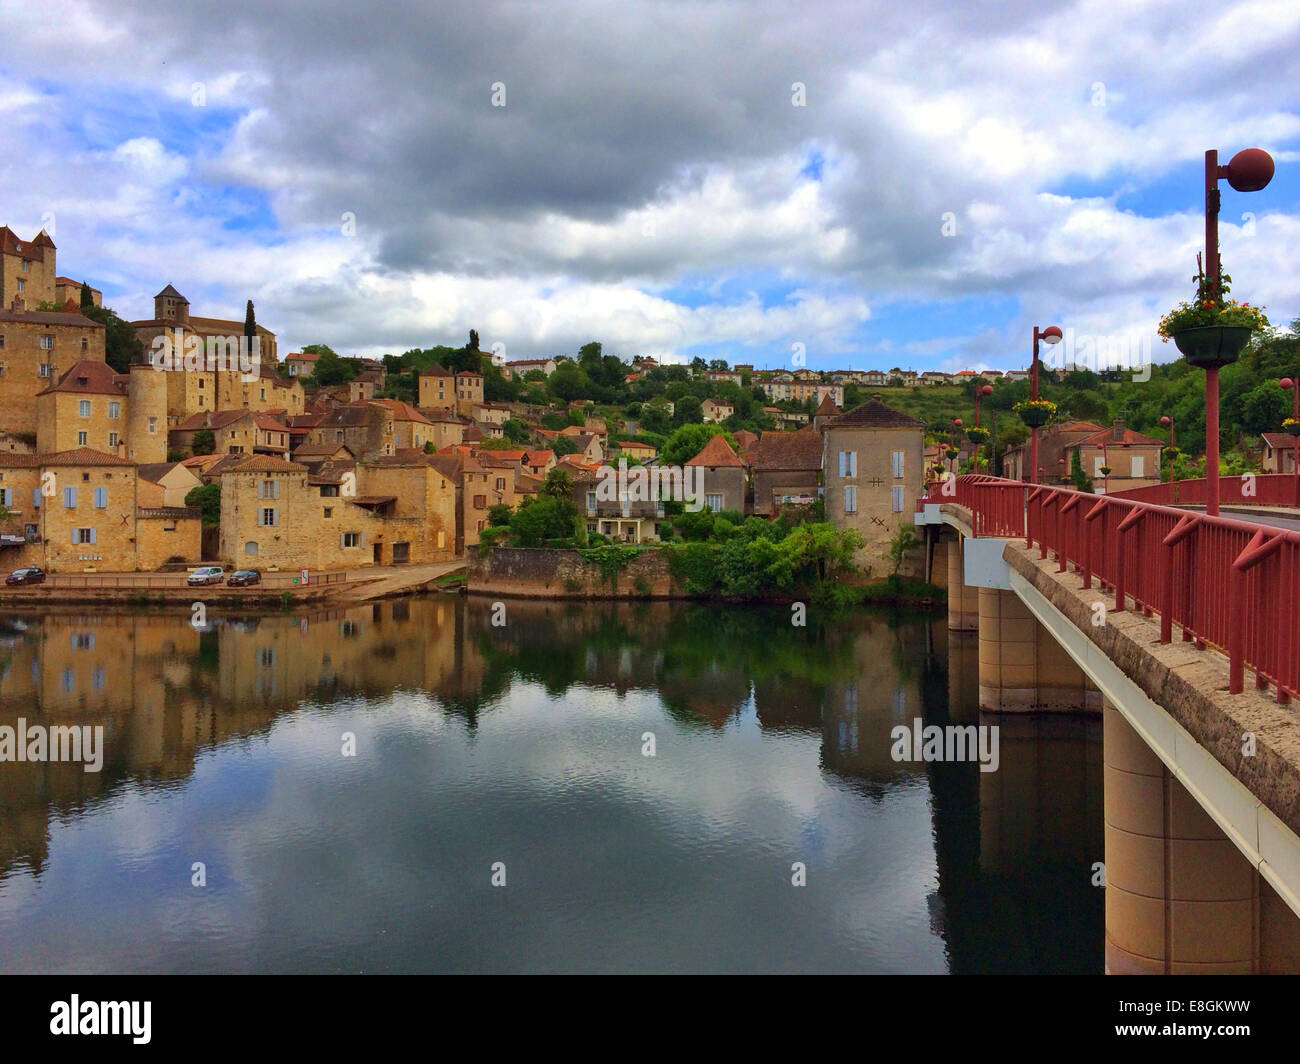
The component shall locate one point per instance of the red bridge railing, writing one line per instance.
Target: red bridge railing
(1224, 582)
(1260, 489)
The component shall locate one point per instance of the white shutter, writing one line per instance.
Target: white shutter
(898, 498)
(898, 464)
(1138, 466)
(844, 463)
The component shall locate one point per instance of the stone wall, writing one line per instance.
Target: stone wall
(543, 573)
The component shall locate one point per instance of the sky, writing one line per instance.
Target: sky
(836, 185)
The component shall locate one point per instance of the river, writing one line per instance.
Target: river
(438, 784)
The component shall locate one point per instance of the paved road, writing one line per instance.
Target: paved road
(1255, 517)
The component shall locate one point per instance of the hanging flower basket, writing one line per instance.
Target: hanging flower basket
(1211, 330)
(952, 452)
(1291, 427)
(1105, 471)
(977, 434)
(1172, 452)
(1035, 412)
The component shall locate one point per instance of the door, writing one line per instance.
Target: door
(379, 554)
(401, 553)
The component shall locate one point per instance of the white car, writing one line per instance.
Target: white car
(206, 574)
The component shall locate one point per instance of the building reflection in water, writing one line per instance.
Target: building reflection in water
(1012, 849)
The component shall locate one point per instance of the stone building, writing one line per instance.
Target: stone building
(787, 469)
(724, 479)
(35, 348)
(27, 268)
(873, 470)
(85, 407)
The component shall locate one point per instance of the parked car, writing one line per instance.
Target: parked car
(30, 575)
(206, 574)
(243, 578)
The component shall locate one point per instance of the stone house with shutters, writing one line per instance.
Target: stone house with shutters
(86, 407)
(873, 468)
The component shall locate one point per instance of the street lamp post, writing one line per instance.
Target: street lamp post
(1050, 335)
(1168, 422)
(981, 390)
(1061, 462)
(953, 427)
(1294, 387)
(1247, 171)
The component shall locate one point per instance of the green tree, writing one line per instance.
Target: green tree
(903, 540)
(686, 442)
(687, 411)
(204, 442)
(250, 324)
(516, 431)
(87, 298)
(331, 369)
(207, 497)
(558, 486)
(498, 514)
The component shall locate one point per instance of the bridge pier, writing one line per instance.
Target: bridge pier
(963, 601)
(1180, 897)
(1023, 668)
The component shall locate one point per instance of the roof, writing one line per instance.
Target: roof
(744, 438)
(873, 414)
(212, 419)
(89, 377)
(635, 445)
(1127, 438)
(347, 415)
(539, 457)
(826, 407)
(12, 244)
(400, 410)
(319, 450)
(84, 456)
(155, 471)
(528, 485)
(469, 373)
(717, 453)
(49, 317)
(1279, 441)
(269, 422)
(264, 463)
(303, 356)
(172, 293)
(436, 370)
(800, 450)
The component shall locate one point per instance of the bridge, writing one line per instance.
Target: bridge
(1182, 631)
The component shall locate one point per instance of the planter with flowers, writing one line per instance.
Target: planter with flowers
(1291, 427)
(1211, 332)
(952, 452)
(977, 435)
(1104, 471)
(1035, 412)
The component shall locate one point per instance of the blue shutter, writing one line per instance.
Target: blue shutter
(70, 498)
(36, 498)
(92, 535)
(101, 498)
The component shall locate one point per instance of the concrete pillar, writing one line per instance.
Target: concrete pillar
(1180, 897)
(1023, 669)
(963, 601)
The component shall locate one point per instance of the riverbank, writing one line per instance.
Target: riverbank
(280, 591)
(602, 574)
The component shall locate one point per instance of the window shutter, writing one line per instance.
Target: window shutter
(342, 538)
(101, 498)
(36, 498)
(92, 535)
(70, 498)
(361, 540)
(843, 462)
(74, 535)
(275, 489)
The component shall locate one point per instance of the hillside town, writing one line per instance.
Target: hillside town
(207, 446)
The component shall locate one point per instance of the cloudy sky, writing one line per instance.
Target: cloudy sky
(870, 184)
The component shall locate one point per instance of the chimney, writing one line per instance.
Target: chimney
(19, 305)
(1117, 430)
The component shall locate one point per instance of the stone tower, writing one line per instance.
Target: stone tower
(170, 304)
(146, 414)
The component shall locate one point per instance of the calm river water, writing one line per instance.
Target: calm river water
(519, 753)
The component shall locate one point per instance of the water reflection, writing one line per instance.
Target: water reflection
(524, 743)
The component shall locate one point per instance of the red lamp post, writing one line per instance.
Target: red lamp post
(1050, 335)
(1061, 462)
(1168, 422)
(953, 426)
(1247, 171)
(983, 389)
(1294, 387)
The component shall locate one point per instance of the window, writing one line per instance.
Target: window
(101, 498)
(329, 513)
(45, 369)
(27, 266)
(329, 491)
(1097, 463)
(591, 502)
(21, 282)
(480, 501)
(6, 497)
(82, 439)
(114, 410)
(897, 491)
(112, 440)
(897, 458)
(350, 539)
(98, 677)
(83, 640)
(1137, 466)
(268, 489)
(848, 463)
(268, 517)
(250, 547)
(266, 655)
(69, 680)
(850, 499)
(83, 535)
(713, 501)
(47, 342)
(501, 483)
(479, 526)
(153, 424)
(70, 498)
